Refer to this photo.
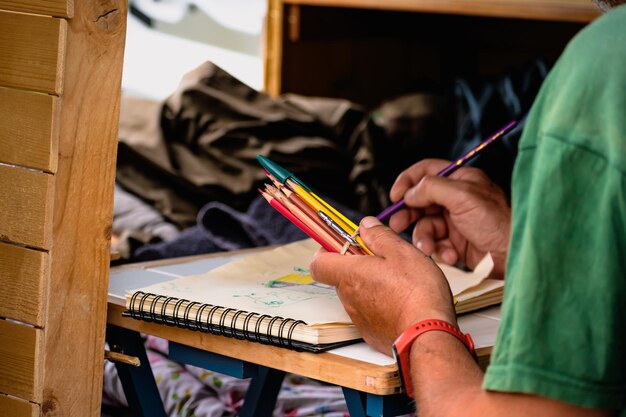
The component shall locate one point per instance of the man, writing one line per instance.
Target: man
(561, 346)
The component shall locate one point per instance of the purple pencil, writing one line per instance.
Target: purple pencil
(391, 210)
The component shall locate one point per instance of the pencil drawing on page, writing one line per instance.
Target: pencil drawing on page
(297, 286)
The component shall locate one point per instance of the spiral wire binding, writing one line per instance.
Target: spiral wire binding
(145, 306)
(222, 327)
(132, 303)
(280, 330)
(177, 319)
(270, 327)
(199, 318)
(246, 323)
(164, 308)
(190, 323)
(212, 328)
(257, 327)
(233, 323)
(153, 306)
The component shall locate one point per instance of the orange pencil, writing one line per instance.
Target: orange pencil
(309, 212)
(283, 210)
(295, 199)
(312, 223)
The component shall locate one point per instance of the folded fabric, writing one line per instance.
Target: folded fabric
(200, 145)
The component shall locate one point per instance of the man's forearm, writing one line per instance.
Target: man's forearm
(445, 376)
(448, 382)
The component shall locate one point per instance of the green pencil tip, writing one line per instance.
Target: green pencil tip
(280, 173)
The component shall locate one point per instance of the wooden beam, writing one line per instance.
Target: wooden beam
(23, 278)
(59, 8)
(26, 199)
(20, 360)
(29, 137)
(83, 207)
(31, 52)
(273, 48)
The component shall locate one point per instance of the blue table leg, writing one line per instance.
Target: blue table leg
(389, 405)
(356, 402)
(260, 399)
(139, 385)
(361, 404)
(265, 383)
(212, 361)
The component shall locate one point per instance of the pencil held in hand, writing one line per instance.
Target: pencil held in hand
(310, 213)
(468, 156)
(301, 225)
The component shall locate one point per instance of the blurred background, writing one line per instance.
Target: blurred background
(167, 38)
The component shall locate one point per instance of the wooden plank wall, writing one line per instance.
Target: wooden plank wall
(57, 8)
(32, 129)
(31, 52)
(14, 407)
(60, 84)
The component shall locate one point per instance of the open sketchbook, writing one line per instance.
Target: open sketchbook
(269, 297)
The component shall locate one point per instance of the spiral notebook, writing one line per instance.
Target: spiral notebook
(267, 297)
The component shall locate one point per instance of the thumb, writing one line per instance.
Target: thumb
(379, 238)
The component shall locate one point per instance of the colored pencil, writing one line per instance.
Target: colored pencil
(279, 175)
(283, 210)
(283, 176)
(318, 206)
(313, 223)
(471, 154)
(310, 212)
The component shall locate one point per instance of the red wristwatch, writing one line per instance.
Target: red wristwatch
(402, 346)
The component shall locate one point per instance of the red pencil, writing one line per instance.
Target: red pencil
(283, 210)
(310, 212)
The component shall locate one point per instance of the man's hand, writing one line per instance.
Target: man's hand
(459, 219)
(386, 293)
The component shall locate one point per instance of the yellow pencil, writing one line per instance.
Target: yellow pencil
(319, 206)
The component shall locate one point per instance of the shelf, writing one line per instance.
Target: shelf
(557, 10)
(368, 50)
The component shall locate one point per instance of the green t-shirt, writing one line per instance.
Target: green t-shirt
(563, 329)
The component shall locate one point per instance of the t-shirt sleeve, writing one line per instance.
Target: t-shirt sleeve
(563, 329)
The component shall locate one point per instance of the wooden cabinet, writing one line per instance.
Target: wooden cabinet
(367, 50)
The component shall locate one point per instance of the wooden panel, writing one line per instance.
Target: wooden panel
(31, 52)
(25, 206)
(15, 407)
(29, 137)
(20, 360)
(61, 8)
(83, 208)
(23, 274)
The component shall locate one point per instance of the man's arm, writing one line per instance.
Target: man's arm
(385, 294)
(447, 382)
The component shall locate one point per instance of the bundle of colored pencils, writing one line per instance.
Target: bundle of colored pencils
(318, 219)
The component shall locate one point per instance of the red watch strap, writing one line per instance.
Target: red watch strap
(402, 346)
